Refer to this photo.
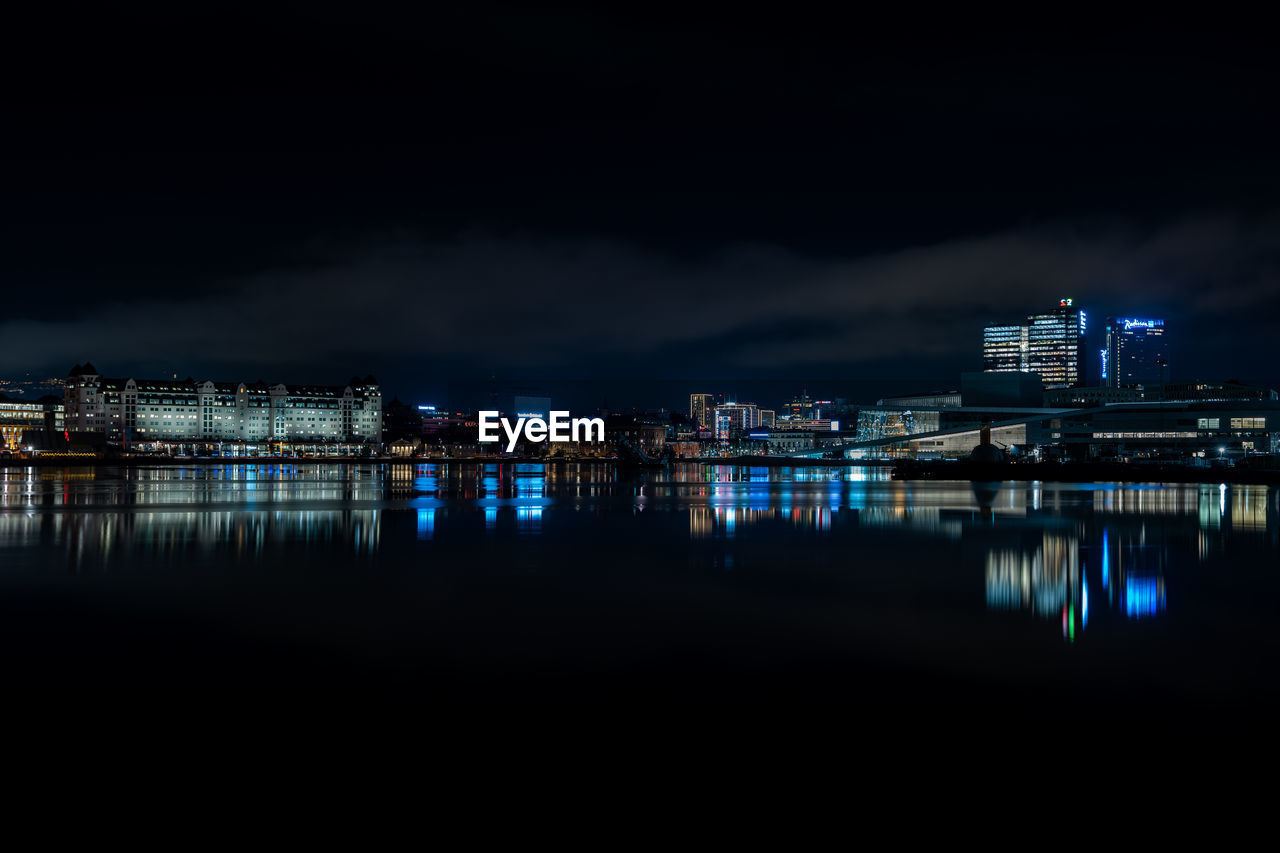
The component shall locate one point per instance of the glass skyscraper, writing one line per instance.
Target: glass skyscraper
(1051, 344)
(1134, 353)
(700, 406)
(1004, 349)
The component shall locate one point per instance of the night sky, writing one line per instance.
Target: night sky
(639, 204)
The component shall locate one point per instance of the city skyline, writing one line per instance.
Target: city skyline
(780, 381)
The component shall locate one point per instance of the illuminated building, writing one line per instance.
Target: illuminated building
(735, 417)
(1200, 430)
(1136, 352)
(768, 417)
(880, 423)
(786, 422)
(405, 446)
(1210, 391)
(935, 399)
(1051, 344)
(128, 410)
(1004, 349)
(21, 419)
(434, 420)
(700, 406)
(685, 449)
(1055, 346)
(1170, 392)
(1080, 398)
(787, 441)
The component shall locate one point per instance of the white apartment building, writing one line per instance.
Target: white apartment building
(130, 411)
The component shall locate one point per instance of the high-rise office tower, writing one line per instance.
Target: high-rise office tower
(700, 406)
(1136, 352)
(731, 417)
(1004, 348)
(1050, 344)
(1055, 346)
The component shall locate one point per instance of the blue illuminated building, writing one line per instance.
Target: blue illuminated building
(1135, 353)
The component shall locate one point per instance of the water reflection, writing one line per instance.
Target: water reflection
(1045, 581)
(1067, 554)
(189, 485)
(1052, 580)
(117, 540)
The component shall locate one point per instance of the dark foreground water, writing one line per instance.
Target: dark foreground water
(572, 590)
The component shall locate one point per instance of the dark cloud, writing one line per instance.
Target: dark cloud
(586, 308)
(597, 192)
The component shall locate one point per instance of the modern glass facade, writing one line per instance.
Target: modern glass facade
(1134, 353)
(1055, 346)
(1004, 349)
(1051, 344)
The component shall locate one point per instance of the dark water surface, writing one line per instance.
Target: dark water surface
(789, 589)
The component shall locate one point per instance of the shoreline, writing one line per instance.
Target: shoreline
(904, 470)
(1080, 472)
(180, 461)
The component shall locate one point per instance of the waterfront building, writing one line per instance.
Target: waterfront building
(987, 399)
(685, 449)
(786, 441)
(407, 446)
(1080, 398)
(1051, 344)
(1170, 392)
(129, 411)
(1185, 430)
(1136, 352)
(700, 406)
(787, 422)
(27, 422)
(1210, 391)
